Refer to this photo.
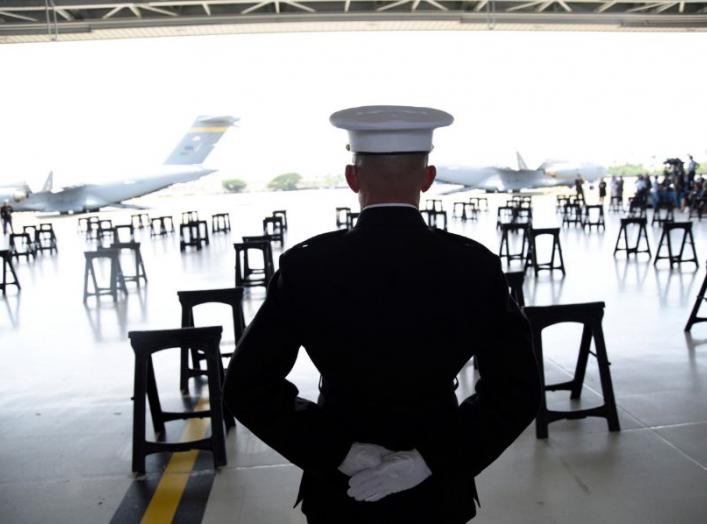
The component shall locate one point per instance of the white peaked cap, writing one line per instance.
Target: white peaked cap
(390, 129)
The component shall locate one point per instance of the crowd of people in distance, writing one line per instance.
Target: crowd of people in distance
(677, 186)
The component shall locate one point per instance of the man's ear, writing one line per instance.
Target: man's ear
(430, 174)
(351, 174)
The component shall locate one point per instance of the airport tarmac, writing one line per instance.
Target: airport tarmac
(66, 382)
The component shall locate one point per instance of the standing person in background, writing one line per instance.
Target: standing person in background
(387, 442)
(691, 171)
(613, 186)
(6, 217)
(579, 186)
(602, 190)
(620, 188)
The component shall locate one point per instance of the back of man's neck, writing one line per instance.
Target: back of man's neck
(389, 204)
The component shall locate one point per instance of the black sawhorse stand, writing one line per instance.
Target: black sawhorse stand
(698, 208)
(6, 256)
(274, 228)
(351, 219)
(124, 227)
(523, 215)
(505, 249)
(572, 214)
(220, 223)
(190, 216)
(665, 212)
(23, 245)
(46, 238)
(616, 204)
(635, 248)
(435, 218)
(161, 226)
(433, 204)
(665, 238)
(140, 273)
(590, 315)
(33, 232)
(145, 344)
(140, 220)
(477, 202)
(560, 202)
(469, 211)
(341, 216)
(193, 234)
(637, 209)
(505, 215)
(232, 297)
(282, 213)
(532, 258)
(116, 281)
(694, 319)
(593, 221)
(105, 231)
(246, 275)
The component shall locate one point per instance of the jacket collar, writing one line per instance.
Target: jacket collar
(393, 215)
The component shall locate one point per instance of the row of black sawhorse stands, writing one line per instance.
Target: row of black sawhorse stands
(194, 232)
(96, 228)
(32, 240)
(586, 216)
(202, 344)
(470, 208)
(529, 252)
(433, 214)
(639, 243)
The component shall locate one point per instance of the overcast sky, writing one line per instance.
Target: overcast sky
(92, 110)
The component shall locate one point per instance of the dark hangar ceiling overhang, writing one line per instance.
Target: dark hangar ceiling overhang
(42, 20)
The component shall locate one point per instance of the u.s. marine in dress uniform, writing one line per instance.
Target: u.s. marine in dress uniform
(389, 312)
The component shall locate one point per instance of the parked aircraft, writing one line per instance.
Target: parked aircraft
(549, 174)
(182, 165)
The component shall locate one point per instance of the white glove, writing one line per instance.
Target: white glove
(398, 472)
(362, 456)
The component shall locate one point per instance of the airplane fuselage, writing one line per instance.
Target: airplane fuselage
(507, 179)
(89, 197)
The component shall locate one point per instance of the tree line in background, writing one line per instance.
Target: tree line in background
(287, 182)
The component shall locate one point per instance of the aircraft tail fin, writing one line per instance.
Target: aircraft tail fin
(521, 163)
(48, 183)
(200, 140)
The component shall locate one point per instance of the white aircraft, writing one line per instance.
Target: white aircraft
(549, 174)
(183, 165)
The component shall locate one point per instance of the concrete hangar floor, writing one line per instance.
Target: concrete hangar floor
(67, 375)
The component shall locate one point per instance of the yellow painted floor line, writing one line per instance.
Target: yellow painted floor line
(165, 501)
